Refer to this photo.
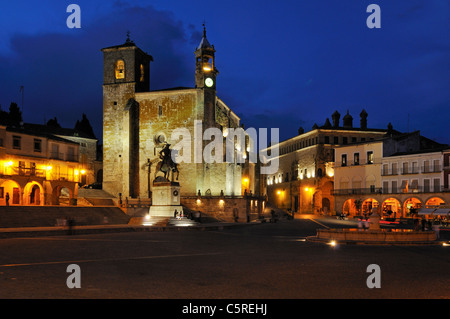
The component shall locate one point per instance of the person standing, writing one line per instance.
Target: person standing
(360, 224)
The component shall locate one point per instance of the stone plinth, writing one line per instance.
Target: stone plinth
(165, 199)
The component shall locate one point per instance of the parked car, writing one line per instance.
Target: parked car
(93, 186)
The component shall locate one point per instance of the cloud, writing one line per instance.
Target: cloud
(62, 73)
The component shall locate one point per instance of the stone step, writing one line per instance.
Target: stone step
(93, 193)
(100, 201)
(45, 216)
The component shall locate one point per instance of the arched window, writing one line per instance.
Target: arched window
(120, 69)
(207, 64)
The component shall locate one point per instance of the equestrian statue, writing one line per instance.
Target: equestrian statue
(167, 165)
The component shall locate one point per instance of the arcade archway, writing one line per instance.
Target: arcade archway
(411, 205)
(434, 201)
(370, 206)
(33, 194)
(391, 208)
(351, 207)
(10, 193)
(62, 195)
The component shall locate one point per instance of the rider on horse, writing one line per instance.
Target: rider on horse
(167, 164)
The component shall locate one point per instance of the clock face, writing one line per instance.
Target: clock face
(209, 82)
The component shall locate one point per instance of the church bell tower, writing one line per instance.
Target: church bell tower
(126, 71)
(205, 78)
(205, 66)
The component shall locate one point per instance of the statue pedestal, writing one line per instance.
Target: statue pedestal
(165, 199)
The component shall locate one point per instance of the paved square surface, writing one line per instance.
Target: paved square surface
(271, 261)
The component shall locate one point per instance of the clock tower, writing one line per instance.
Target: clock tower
(205, 79)
(205, 67)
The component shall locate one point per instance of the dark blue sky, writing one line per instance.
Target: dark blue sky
(282, 64)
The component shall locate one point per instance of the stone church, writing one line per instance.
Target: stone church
(138, 123)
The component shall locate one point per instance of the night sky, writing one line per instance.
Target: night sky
(282, 64)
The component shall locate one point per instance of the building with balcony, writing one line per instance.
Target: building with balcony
(37, 168)
(88, 156)
(396, 175)
(305, 178)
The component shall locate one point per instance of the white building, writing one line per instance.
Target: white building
(394, 174)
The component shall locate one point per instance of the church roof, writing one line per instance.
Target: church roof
(50, 130)
(128, 43)
(204, 43)
(27, 131)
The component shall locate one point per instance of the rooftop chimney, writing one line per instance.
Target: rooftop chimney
(363, 121)
(335, 117)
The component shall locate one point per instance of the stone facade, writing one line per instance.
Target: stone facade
(37, 168)
(228, 209)
(304, 181)
(137, 124)
(405, 172)
(87, 155)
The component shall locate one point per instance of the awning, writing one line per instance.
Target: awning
(426, 211)
(442, 211)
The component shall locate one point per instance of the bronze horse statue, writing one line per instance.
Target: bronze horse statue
(166, 165)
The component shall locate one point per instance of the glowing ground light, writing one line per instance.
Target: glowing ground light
(332, 243)
(147, 221)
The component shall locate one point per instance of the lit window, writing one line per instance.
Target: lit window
(120, 69)
(370, 157)
(356, 159)
(142, 73)
(344, 160)
(207, 64)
